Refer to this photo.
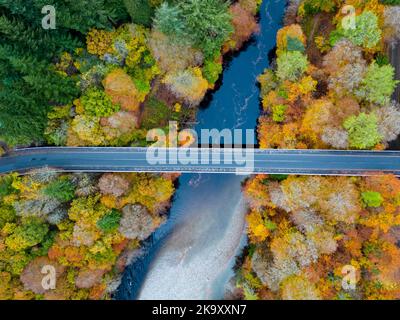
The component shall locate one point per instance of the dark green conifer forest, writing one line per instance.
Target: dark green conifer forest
(28, 83)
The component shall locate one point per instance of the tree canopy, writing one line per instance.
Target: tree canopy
(204, 23)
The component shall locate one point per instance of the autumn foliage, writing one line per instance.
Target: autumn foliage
(171, 54)
(304, 230)
(83, 225)
(337, 101)
(307, 232)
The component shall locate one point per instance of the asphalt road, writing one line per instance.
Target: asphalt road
(322, 162)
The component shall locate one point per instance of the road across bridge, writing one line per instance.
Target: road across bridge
(305, 162)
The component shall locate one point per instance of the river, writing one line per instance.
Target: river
(191, 256)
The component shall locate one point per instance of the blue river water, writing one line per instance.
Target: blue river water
(191, 256)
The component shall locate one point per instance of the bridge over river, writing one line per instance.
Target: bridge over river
(204, 160)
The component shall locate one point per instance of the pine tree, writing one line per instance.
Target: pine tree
(29, 86)
(140, 11)
(78, 15)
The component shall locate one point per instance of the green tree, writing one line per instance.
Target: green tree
(29, 85)
(110, 221)
(7, 214)
(372, 199)
(363, 131)
(6, 186)
(278, 177)
(278, 112)
(366, 33)
(140, 11)
(315, 6)
(291, 65)
(212, 71)
(390, 2)
(30, 233)
(295, 44)
(206, 24)
(378, 84)
(81, 15)
(97, 103)
(168, 19)
(61, 189)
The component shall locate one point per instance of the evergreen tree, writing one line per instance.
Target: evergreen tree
(29, 86)
(78, 15)
(140, 11)
(205, 24)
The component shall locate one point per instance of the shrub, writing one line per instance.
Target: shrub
(372, 199)
(291, 65)
(363, 131)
